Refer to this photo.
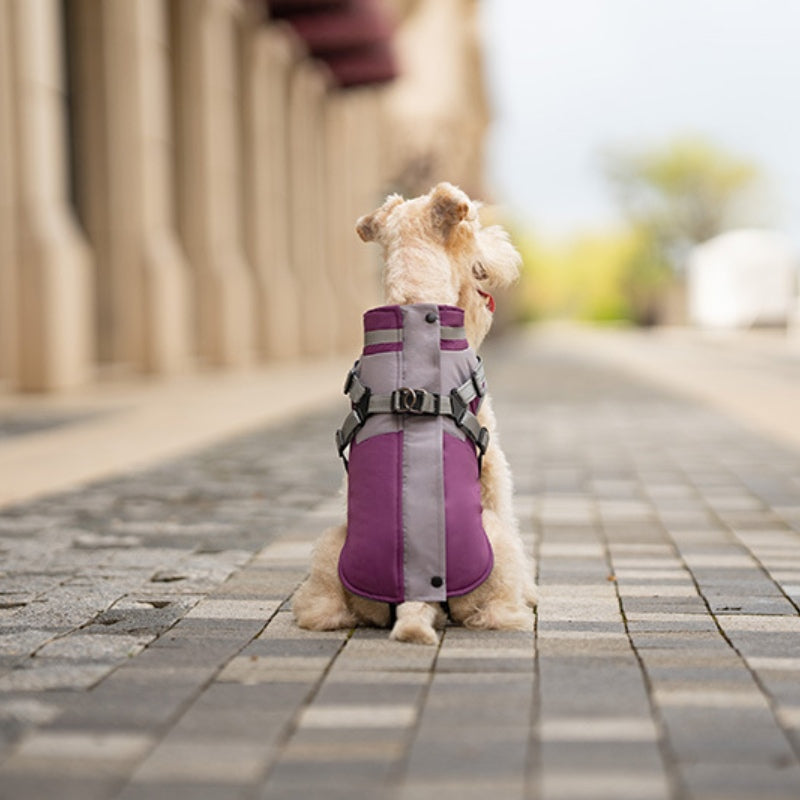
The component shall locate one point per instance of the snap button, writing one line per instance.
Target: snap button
(431, 316)
(436, 581)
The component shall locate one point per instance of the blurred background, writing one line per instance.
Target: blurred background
(179, 179)
(647, 153)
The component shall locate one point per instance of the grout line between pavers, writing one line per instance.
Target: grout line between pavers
(185, 706)
(677, 788)
(163, 730)
(733, 537)
(533, 761)
(736, 540)
(794, 744)
(293, 725)
(398, 773)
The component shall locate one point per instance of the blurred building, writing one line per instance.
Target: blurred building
(743, 278)
(179, 179)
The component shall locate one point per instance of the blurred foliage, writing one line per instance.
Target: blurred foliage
(593, 277)
(671, 198)
(682, 194)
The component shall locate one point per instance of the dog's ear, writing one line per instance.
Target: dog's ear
(449, 206)
(368, 227)
(500, 261)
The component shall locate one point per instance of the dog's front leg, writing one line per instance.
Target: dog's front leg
(496, 481)
(497, 490)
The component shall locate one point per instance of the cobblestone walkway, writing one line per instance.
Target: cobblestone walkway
(147, 650)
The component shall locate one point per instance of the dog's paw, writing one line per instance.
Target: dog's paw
(323, 616)
(500, 618)
(414, 630)
(531, 595)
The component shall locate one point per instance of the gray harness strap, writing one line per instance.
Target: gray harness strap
(415, 401)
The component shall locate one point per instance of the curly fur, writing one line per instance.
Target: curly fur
(435, 251)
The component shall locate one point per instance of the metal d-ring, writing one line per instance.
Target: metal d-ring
(411, 400)
(408, 401)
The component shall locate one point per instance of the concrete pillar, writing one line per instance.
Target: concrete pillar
(126, 191)
(84, 23)
(340, 166)
(369, 182)
(55, 279)
(350, 166)
(309, 208)
(266, 64)
(207, 152)
(8, 256)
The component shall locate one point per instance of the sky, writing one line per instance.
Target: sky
(569, 79)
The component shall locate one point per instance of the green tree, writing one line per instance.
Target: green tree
(675, 197)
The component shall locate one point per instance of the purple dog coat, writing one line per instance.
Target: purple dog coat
(414, 527)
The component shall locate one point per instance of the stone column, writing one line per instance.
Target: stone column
(205, 40)
(55, 278)
(152, 297)
(310, 204)
(350, 167)
(267, 60)
(369, 182)
(126, 192)
(8, 256)
(339, 169)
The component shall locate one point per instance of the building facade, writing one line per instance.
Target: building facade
(179, 179)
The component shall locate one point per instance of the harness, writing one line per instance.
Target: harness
(419, 402)
(414, 529)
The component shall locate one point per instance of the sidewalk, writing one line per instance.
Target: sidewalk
(147, 649)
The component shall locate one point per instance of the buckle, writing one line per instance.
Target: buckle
(341, 443)
(483, 440)
(348, 381)
(361, 408)
(478, 378)
(458, 405)
(412, 401)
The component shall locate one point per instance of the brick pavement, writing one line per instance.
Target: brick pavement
(147, 650)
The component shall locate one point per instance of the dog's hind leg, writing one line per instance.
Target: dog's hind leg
(502, 601)
(320, 604)
(416, 621)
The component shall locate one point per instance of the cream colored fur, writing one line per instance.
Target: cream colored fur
(435, 251)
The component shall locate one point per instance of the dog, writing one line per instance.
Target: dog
(435, 251)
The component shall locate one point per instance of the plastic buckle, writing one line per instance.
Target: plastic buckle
(348, 381)
(482, 444)
(458, 405)
(361, 408)
(341, 444)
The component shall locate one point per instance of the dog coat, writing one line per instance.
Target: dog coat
(414, 525)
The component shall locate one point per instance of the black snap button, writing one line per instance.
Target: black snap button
(431, 316)
(436, 581)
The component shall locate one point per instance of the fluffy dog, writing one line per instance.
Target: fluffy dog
(435, 251)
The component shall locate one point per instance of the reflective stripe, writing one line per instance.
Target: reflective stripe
(383, 336)
(450, 332)
(423, 503)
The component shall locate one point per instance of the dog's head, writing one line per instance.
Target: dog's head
(435, 251)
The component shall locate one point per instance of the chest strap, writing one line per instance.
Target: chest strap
(415, 402)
